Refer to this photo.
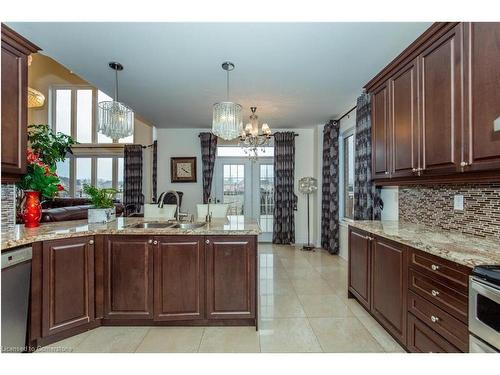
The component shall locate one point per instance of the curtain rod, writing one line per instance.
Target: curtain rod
(345, 114)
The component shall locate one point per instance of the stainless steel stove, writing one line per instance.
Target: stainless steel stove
(484, 309)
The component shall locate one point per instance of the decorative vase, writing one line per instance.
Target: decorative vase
(32, 211)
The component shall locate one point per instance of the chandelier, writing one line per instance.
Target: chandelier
(227, 121)
(250, 138)
(115, 119)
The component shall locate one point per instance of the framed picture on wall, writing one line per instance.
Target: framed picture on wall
(183, 169)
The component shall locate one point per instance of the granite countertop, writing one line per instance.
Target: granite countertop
(464, 249)
(122, 225)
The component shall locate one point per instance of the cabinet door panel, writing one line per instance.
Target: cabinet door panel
(380, 132)
(404, 121)
(359, 266)
(128, 278)
(231, 277)
(389, 285)
(179, 278)
(14, 108)
(482, 48)
(422, 339)
(441, 104)
(68, 284)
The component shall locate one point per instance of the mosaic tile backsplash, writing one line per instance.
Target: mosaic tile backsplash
(433, 206)
(8, 208)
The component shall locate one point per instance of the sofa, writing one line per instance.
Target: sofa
(64, 209)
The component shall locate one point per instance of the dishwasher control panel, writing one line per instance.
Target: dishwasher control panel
(16, 256)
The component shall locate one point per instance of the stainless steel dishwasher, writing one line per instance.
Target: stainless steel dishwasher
(16, 274)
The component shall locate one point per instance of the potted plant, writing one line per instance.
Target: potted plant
(103, 208)
(46, 149)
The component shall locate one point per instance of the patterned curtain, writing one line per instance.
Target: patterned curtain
(367, 202)
(208, 151)
(155, 171)
(330, 188)
(132, 189)
(285, 200)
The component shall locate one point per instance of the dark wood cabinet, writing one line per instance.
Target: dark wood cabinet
(440, 109)
(15, 52)
(389, 286)
(67, 284)
(359, 272)
(482, 96)
(231, 271)
(441, 98)
(422, 339)
(128, 277)
(404, 121)
(380, 132)
(179, 278)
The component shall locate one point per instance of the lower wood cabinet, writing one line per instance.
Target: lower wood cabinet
(422, 339)
(359, 266)
(231, 277)
(389, 286)
(67, 284)
(179, 282)
(128, 277)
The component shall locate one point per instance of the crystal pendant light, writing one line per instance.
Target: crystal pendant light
(115, 119)
(227, 120)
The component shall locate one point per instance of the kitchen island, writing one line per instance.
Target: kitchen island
(127, 273)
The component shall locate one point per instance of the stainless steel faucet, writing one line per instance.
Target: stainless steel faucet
(208, 217)
(177, 211)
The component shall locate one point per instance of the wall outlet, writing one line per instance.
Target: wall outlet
(458, 202)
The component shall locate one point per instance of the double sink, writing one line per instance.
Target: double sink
(151, 225)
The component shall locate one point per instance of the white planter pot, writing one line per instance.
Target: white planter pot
(101, 215)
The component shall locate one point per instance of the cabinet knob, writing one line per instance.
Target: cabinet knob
(155, 242)
(434, 319)
(91, 242)
(386, 172)
(434, 293)
(464, 164)
(150, 242)
(207, 241)
(414, 170)
(434, 267)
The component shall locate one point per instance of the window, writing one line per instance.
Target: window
(236, 151)
(74, 110)
(348, 175)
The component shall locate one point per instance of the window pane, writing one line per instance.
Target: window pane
(266, 197)
(62, 169)
(104, 172)
(83, 175)
(63, 111)
(84, 116)
(237, 151)
(119, 183)
(102, 97)
(349, 177)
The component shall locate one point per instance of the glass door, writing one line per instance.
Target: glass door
(264, 197)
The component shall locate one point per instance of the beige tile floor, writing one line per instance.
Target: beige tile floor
(303, 308)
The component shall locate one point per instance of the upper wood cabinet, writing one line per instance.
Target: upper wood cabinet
(67, 284)
(380, 132)
(482, 96)
(443, 95)
(179, 274)
(404, 121)
(15, 52)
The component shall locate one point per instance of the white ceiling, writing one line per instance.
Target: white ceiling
(297, 74)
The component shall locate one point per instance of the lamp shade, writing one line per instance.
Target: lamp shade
(227, 120)
(116, 120)
(308, 185)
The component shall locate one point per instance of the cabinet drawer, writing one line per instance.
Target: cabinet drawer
(445, 271)
(422, 339)
(443, 323)
(448, 299)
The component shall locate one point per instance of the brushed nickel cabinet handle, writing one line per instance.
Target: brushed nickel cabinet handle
(414, 170)
(155, 242)
(150, 242)
(434, 267)
(434, 293)
(207, 241)
(434, 319)
(91, 242)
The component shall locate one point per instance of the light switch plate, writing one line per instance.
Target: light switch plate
(496, 125)
(458, 202)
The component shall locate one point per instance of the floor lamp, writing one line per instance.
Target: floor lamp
(308, 186)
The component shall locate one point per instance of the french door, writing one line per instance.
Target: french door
(248, 188)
